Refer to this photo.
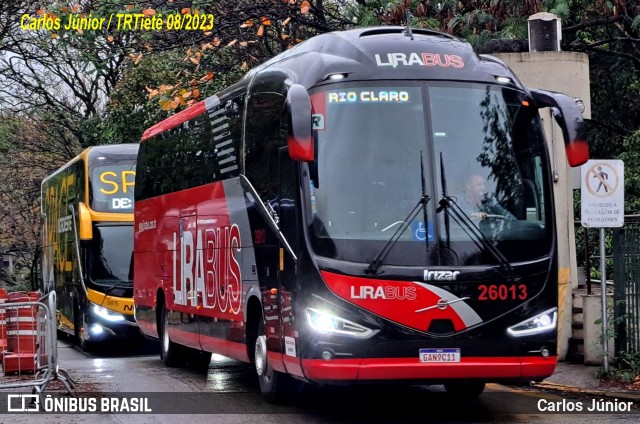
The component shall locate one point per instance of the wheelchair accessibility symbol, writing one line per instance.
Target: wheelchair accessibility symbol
(420, 233)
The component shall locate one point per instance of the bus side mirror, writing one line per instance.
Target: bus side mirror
(300, 141)
(85, 229)
(568, 115)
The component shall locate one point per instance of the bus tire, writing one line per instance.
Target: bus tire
(274, 385)
(80, 323)
(77, 323)
(171, 353)
(199, 359)
(465, 391)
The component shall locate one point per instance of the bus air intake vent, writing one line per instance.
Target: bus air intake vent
(441, 326)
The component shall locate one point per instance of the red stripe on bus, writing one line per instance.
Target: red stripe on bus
(494, 368)
(234, 350)
(175, 120)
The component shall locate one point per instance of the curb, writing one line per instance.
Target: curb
(585, 391)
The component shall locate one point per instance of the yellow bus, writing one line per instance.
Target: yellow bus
(87, 243)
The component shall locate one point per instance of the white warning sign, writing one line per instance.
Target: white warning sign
(602, 194)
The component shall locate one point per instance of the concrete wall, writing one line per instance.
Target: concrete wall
(568, 73)
(593, 344)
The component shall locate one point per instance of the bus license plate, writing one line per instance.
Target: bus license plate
(439, 355)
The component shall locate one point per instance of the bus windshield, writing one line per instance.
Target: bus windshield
(382, 146)
(109, 257)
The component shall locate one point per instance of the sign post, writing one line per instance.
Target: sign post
(602, 206)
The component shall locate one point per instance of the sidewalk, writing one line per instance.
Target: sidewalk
(579, 378)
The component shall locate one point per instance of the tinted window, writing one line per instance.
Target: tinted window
(109, 256)
(199, 151)
(266, 132)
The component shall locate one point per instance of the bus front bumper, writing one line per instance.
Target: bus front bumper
(100, 330)
(494, 369)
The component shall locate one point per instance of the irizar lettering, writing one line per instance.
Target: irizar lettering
(386, 292)
(206, 271)
(440, 275)
(422, 59)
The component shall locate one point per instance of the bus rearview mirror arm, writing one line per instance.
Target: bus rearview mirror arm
(568, 115)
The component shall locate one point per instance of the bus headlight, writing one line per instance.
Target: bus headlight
(107, 314)
(540, 323)
(326, 323)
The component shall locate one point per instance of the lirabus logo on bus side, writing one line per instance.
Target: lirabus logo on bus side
(205, 267)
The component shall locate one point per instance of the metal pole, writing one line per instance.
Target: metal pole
(587, 261)
(603, 294)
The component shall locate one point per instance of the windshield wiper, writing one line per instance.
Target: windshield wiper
(379, 258)
(422, 204)
(448, 204)
(114, 286)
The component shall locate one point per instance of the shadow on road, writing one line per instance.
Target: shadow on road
(138, 346)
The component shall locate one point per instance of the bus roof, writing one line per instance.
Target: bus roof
(386, 53)
(365, 54)
(91, 152)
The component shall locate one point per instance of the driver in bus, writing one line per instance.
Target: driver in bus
(475, 202)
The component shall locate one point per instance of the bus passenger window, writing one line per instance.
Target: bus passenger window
(265, 133)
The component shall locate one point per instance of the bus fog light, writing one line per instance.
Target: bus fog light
(96, 330)
(327, 355)
(546, 321)
(545, 352)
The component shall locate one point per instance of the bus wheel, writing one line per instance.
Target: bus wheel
(273, 385)
(79, 328)
(77, 323)
(464, 391)
(171, 353)
(198, 359)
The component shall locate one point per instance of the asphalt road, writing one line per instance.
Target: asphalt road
(228, 393)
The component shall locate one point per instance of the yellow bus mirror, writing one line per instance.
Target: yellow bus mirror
(85, 222)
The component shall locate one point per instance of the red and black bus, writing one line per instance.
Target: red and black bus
(309, 219)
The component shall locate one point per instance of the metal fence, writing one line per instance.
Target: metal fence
(626, 262)
(28, 342)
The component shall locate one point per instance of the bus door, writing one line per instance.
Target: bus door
(288, 213)
(273, 175)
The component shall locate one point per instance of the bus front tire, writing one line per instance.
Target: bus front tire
(198, 359)
(465, 391)
(80, 327)
(274, 386)
(171, 353)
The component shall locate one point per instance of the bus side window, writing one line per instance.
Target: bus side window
(265, 133)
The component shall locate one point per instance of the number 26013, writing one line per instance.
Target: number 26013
(502, 292)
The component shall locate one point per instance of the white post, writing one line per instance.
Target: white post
(603, 294)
